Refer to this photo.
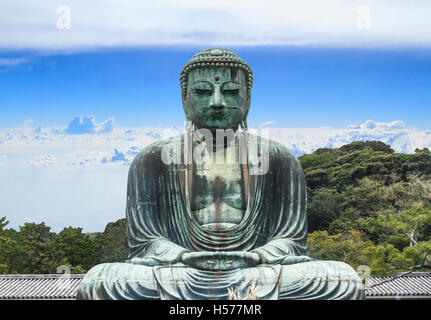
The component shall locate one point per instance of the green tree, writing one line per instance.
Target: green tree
(400, 229)
(3, 223)
(7, 248)
(347, 247)
(324, 206)
(79, 249)
(385, 259)
(114, 246)
(5, 244)
(36, 252)
(404, 240)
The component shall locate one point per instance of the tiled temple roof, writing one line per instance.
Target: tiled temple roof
(39, 286)
(413, 284)
(57, 286)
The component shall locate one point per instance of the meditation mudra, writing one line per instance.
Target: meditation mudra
(217, 208)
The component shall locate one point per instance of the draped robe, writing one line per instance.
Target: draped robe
(161, 227)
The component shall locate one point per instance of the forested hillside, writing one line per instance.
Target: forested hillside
(35, 249)
(367, 205)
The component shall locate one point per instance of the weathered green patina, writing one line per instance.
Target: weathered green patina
(217, 207)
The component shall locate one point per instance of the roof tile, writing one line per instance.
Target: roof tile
(414, 284)
(58, 286)
(52, 286)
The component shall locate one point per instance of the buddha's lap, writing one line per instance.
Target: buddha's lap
(293, 274)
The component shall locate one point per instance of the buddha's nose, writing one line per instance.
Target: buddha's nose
(217, 101)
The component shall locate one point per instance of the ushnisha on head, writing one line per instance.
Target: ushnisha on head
(216, 89)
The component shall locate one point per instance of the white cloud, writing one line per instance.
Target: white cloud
(10, 62)
(266, 123)
(395, 134)
(88, 124)
(167, 133)
(83, 158)
(123, 158)
(42, 161)
(84, 177)
(110, 23)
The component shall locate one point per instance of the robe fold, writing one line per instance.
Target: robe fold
(161, 227)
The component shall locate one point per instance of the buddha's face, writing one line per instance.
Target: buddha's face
(216, 97)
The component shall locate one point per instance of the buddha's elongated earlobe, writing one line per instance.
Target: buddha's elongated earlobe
(243, 125)
(188, 124)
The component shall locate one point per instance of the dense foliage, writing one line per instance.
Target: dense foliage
(34, 249)
(367, 205)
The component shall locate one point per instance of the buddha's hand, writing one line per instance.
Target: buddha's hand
(220, 260)
(296, 259)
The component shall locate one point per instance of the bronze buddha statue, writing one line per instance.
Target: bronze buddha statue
(217, 207)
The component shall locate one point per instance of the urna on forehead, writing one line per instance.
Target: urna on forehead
(216, 58)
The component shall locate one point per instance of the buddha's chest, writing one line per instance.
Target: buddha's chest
(218, 195)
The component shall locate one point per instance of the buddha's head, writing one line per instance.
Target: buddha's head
(216, 87)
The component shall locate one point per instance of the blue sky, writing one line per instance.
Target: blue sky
(296, 87)
(85, 85)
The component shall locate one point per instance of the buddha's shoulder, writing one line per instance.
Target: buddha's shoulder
(152, 153)
(275, 148)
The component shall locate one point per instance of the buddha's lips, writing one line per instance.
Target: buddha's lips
(217, 114)
(214, 113)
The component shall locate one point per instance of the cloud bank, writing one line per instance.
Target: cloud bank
(10, 62)
(81, 179)
(395, 134)
(83, 25)
(42, 161)
(88, 124)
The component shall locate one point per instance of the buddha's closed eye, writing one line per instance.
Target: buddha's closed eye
(231, 91)
(202, 91)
